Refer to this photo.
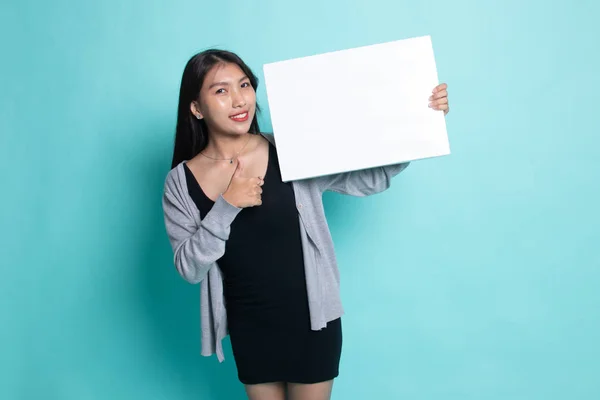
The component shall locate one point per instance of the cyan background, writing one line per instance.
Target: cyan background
(474, 277)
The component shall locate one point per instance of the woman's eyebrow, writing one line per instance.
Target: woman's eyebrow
(225, 83)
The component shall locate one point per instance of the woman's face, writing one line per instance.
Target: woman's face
(227, 100)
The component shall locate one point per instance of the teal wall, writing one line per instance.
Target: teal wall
(474, 277)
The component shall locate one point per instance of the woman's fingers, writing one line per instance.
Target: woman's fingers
(439, 95)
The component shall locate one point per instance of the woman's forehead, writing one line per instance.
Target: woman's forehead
(225, 72)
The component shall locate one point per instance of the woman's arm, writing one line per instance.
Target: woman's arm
(196, 249)
(363, 182)
(375, 180)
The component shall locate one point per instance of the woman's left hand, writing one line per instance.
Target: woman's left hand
(439, 99)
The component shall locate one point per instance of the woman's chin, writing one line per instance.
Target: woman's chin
(234, 128)
(240, 129)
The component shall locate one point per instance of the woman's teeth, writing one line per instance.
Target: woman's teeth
(239, 116)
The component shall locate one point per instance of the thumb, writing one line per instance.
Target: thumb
(238, 169)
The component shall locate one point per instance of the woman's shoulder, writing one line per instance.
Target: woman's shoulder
(308, 184)
(173, 179)
(269, 136)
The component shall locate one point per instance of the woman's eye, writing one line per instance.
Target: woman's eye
(245, 84)
(220, 91)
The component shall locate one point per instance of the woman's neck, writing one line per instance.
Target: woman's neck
(227, 146)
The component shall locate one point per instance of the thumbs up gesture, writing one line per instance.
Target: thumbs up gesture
(243, 192)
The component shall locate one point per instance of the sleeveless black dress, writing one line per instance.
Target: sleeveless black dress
(265, 290)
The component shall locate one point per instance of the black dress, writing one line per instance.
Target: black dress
(265, 290)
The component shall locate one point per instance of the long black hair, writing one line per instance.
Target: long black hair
(191, 134)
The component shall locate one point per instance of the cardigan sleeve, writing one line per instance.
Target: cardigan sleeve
(196, 248)
(363, 182)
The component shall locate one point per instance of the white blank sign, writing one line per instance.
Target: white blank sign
(354, 109)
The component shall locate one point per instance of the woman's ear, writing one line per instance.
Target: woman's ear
(195, 109)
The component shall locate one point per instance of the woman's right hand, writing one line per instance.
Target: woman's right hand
(243, 192)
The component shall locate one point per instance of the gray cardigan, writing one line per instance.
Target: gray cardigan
(198, 244)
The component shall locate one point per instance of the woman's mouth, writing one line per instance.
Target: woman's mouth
(240, 117)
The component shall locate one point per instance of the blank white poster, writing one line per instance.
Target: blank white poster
(354, 109)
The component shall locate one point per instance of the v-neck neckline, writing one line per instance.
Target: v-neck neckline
(266, 174)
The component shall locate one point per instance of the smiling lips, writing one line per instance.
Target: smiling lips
(240, 117)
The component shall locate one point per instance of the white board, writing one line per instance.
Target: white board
(354, 109)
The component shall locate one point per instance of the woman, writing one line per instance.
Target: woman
(260, 248)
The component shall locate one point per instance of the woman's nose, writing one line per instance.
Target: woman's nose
(238, 99)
